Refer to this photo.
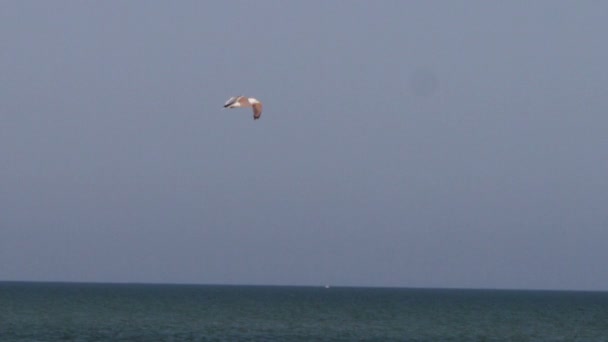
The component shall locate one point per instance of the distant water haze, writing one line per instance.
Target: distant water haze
(54, 311)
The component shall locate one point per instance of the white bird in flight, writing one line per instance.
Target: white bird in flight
(242, 102)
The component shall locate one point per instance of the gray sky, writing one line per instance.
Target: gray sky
(403, 143)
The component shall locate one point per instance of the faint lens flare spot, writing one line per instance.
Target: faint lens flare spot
(423, 82)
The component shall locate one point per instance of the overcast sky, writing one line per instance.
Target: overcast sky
(403, 143)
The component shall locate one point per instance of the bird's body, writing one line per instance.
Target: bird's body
(242, 102)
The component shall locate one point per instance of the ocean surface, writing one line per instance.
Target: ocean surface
(125, 312)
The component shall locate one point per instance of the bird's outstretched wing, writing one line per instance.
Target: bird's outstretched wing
(257, 110)
(231, 101)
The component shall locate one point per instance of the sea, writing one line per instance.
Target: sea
(31, 311)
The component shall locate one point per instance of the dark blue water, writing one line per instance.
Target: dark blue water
(113, 312)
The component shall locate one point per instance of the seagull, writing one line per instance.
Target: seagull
(243, 101)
